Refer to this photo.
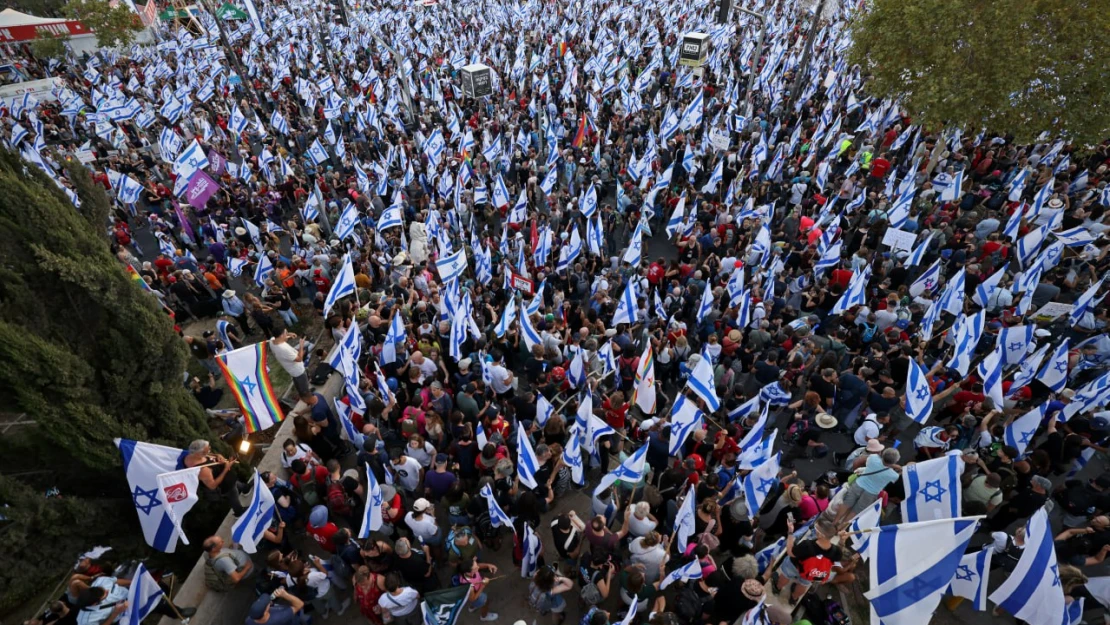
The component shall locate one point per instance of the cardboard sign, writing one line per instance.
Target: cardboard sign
(721, 139)
(1052, 310)
(899, 239)
(521, 283)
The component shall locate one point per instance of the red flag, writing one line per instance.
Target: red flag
(535, 235)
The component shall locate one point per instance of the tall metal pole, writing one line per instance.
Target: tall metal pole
(234, 57)
(803, 67)
(411, 117)
(756, 55)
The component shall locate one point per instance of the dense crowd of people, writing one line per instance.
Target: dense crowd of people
(820, 267)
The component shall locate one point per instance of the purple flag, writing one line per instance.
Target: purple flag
(201, 187)
(217, 164)
(185, 225)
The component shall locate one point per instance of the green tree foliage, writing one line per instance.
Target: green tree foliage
(48, 46)
(88, 355)
(114, 26)
(41, 8)
(1017, 66)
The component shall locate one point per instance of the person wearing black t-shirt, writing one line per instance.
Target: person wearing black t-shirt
(814, 560)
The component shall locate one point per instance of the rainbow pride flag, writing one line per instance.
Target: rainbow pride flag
(248, 378)
(137, 279)
(580, 136)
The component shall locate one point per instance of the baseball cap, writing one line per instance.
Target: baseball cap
(441, 458)
(421, 505)
(258, 608)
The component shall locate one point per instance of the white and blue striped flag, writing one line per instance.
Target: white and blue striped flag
(632, 470)
(343, 286)
(531, 547)
(971, 578)
(702, 384)
(626, 307)
(919, 251)
(1089, 299)
(759, 483)
(348, 219)
(190, 160)
(263, 270)
(252, 524)
(685, 418)
(143, 596)
(527, 464)
(928, 281)
(451, 267)
(1020, 432)
(497, 516)
(318, 153)
(372, 515)
(143, 463)
(1015, 342)
(572, 455)
(528, 331)
(1033, 592)
(687, 572)
(706, 303)
(685, 520)
(1054, 375)
(912, 565)
(933, 488)
(589, 202)
(919, 396)
(855, 294)
(742, 411)
(508, 316)
(867, 519)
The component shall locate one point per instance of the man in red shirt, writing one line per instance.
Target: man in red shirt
(656, 271)
(320, 528)
(321, 281)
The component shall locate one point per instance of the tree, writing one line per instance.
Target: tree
(87, 354)
(1012, 66)
(113, 25)
(48, 45)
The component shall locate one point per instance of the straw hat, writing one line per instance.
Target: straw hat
(825, 421)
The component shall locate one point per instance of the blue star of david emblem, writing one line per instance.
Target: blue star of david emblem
(965, 573)
(1061, 366)
(193, 162)
(151, 497)
(764, 485)
(922, 394)
(1016, 346)
(1052, 252)
(346, 221)
(1055, 575)
(936, 496)
(249, 385)
(918, 588)
(929, 284)
(1026, 436)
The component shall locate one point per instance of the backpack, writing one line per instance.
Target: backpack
(452, 535)
(539, 600)
(836, 615)
(308, 490)
(1009, 479)
(626, 369)
(590, 594)
(338, 501)
(869, 332)
(213, 579)
(796, 430)
(688, 605)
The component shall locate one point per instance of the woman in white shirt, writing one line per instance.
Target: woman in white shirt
(641, 522)
(400, 603)
(420, 450)
(292, 450)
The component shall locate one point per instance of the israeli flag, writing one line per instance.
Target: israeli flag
(971, 578)
(912, 565)
(900, 212)
(968, 331)
(1015, 343)
(1089, 298)
(249, 528)
(236, 266)
(626, 307)
(129, 190)
(952, 300)
(589, 202)
(933, 488)
(701, 383)
(1027, 370)
(531, 336)
(674, 224)
(829, 260)
(685, 418)
(919, 397)
(508, 316)
(759, 483)
(1020, 432)
(549, 180)
(497, 516)
(706, 303)
(572, 456)
(190, 160)
(1033, 592)
(238, 122)
(686, 519)
(1075, 237)
(343, 286)
(500, 192)
(867, 519)
(372, 515)
(1054, 375)
(631, 471)
(143, 463)
(263, 270)
(855, 294)
(757, 453)
(773, 394)
(692, 116)
(143, 596)
(576, 372)
(278, 123)
(451, 267)
(691, 570)
(990, 371)
(1030, 244)
(317, 152)
(635, 249)
(928, 281)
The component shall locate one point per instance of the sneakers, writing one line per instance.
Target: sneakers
(343, 607)
(492, 616)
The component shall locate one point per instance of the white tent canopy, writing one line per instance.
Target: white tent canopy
(10, 18)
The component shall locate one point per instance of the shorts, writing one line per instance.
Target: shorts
(301, 384)
(557, 604)
(857, 499)
(433, 541)
(480, 602)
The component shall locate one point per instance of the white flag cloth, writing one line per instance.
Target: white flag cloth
(252, 524)
(912, 565)
(685, 520)
(632, 470)
(626, 307)
(372, 515)
(865, 520)
(1054, 375)
(344, 284)
(451, 267)
(933, 488)
(142, 597)
(685, 418)
(180, 489)
(527, 464)
(532, 549)
(1033, 592)
(919, 397)
(760, 482)
(690, 571)
(544, 410)
(497, 516)
(572, 455)
(143, 463)
(701, 382)
(643, 395)
(971, 578)
(1019, 433)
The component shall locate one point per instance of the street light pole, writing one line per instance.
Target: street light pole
(755, 57)
(400, 76)
(243, 78)
(803, 67)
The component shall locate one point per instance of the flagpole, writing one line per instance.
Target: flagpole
(873, 530)
(168, 598)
